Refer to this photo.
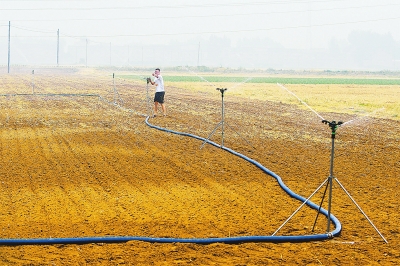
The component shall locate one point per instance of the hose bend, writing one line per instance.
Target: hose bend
(228, 240)
(336, 222)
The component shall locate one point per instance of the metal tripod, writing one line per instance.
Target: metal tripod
(222, 123)
(116, 95)
(329, 183)
(149, 113)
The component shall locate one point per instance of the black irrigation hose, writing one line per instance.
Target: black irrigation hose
(336, 222)
(228, 240)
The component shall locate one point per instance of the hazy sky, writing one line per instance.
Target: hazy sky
(294, 23)
(300, 24)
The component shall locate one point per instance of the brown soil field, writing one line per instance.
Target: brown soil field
(79, 166)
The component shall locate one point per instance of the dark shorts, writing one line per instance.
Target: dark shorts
(159, 97)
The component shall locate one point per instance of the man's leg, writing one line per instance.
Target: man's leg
(164, 109)
(155, 108)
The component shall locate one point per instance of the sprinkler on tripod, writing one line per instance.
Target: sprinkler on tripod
(334, 126)
(223, 114)
(329, 182)
(148, 80)
(116, 95)
(222, 122)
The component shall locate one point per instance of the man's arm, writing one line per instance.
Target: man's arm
(153, 82)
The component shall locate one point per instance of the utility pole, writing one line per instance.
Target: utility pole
(9, 41)
(58, 44)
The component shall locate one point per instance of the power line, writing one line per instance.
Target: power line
(209, 16)
(32, 30)
(230, 31)
(173, 6)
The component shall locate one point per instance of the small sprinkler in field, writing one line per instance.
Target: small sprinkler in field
(222, 123)
(329, 183)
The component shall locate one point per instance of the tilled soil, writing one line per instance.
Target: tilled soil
(82, 166)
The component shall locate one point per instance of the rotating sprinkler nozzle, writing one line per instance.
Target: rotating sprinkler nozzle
(221, 90)
(333, 125)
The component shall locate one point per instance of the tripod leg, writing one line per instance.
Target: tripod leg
(320, 205)
(287, 220)
(119, 97)
(209, 136)
(348, 194)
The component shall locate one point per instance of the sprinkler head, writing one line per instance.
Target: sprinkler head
(333, 125)
(221, 90)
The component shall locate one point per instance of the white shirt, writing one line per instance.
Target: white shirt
(160, 83)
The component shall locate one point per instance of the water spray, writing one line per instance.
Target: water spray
(200, 77)
(240, 83)
(364, 117)
(283, 87)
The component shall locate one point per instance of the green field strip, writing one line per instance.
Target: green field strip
(282, 80)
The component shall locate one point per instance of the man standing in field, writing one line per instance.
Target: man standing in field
(160, 92)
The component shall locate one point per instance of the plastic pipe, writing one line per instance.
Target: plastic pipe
(228, 240)
(336, 222)
(121, 239)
